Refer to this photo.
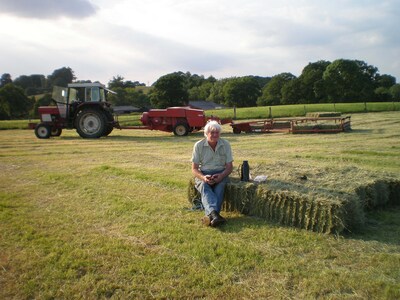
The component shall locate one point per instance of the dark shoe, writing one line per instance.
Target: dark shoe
(216, 219)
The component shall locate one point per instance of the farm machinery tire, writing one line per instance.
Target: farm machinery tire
(236, 130)
(109, 127)
(181, 129)
(91, 123)
(56, 131)
(42, 131)
(108, 130)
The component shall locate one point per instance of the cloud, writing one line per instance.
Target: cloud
(143, 40)
(47, 9)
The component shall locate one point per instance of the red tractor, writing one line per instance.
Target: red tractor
(80, 106)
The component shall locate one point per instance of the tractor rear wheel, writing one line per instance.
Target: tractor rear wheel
(42, 131)
(108, 130)
(181, 129)
(90, 123)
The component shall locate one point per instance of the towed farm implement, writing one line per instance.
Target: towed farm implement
(295, 125)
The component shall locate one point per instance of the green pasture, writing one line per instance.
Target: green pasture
(110, 218)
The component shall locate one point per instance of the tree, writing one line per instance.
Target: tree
(349, 81)
(385, 80)
(382, 94)
(241, 91)
(61, 77)
(272, 91)
(14, 103)
(169, 90)
(293, 92)
(32, 84)
(129, 96)
(118, 82)
(395, 92)
(5, 78)
(216, 92)
(201, 92)
(311, 82)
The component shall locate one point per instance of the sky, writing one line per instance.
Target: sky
(144, 40)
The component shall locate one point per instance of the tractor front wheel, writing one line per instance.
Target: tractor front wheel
(181, 129)
(42, 131)
(90, 123)
(56, 131)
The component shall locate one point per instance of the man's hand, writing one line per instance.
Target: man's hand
(209, 179)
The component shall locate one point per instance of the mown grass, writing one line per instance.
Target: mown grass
(109, 218)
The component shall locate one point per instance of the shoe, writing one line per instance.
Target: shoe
(206, 221)
(216, 219)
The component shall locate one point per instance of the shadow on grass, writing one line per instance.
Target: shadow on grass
(381, 225)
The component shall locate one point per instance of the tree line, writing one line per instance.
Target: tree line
(339, 81)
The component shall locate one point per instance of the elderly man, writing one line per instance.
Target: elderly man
(212, 162)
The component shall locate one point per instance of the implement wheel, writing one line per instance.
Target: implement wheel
(42, 131)
(181, 129)
(90, 123)
(236, 130)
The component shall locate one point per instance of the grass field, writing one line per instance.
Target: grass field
(109, 218)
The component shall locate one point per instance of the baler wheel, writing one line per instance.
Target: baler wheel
(236, 130)
(42, 131)
(181, 129)
(90, 123)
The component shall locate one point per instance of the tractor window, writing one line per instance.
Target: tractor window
(59, 94)
(93, 94)
(102, 95)
(73, 95)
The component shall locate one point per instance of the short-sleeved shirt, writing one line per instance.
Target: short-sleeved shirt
(210, 160)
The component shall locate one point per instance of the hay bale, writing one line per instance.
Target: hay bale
(286, 207)
(379, 194)
(319, 212)
(323, 114)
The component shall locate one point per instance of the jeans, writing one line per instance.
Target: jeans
(212, 196)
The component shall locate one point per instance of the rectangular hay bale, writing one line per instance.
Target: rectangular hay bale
(314, 212)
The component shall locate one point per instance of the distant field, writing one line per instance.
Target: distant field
(302, 109)
(110, 218)
(257, 112)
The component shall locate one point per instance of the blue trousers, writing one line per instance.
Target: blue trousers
(212, 196)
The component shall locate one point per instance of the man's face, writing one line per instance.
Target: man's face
(213, 136)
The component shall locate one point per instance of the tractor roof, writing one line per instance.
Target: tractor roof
(89, 84)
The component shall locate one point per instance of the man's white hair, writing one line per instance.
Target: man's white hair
(210, 126)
